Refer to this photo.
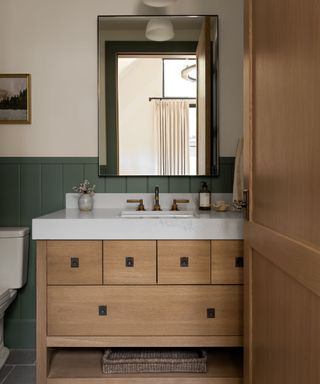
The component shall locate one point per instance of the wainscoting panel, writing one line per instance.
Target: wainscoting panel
(35, 186)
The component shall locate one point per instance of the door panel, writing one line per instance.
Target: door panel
(286, 327)
(286, 156)
(282, 241)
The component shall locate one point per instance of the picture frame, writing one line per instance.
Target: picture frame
(15, 98)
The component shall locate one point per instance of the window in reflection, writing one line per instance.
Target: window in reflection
(174, 85)
(163, 150)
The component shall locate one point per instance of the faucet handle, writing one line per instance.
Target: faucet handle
(175, 202)
(140, 207)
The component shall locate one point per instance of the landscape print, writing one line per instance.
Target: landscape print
(15, 99)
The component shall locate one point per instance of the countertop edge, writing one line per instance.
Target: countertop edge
(107, 225)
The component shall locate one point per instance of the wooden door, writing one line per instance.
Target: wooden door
(282, 236)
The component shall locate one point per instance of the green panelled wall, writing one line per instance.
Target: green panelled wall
(35, 186)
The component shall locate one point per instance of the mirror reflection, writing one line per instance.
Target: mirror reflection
(157, 99)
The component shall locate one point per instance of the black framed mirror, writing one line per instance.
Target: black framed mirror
(141, 82)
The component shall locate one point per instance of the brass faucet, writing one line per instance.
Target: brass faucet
(140, 207)
(175, 202)
(156, 206)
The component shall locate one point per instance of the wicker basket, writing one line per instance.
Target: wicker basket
(154, 360)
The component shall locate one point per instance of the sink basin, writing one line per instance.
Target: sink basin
(156, 214)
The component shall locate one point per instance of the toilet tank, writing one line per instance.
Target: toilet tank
(14, 247)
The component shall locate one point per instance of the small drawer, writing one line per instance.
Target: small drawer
(184, 262)
(227, 261)
(74, 262)
(155, 310)
(129, 262)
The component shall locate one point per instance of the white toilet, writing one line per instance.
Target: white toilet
(14, 245)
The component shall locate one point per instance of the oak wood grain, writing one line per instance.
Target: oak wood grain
(197, 253)
(286, 327)
(224, 269)
(143, 254)
(145, 341)
(41, 312)
(282, 83)
(59, 257)
(144, 310)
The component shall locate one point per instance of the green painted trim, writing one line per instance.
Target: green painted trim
(227, 160)
(20, 333)
(51, 177)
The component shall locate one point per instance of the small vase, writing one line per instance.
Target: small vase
(85, 202)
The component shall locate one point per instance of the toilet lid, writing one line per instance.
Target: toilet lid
(4, 295)
(7, 232)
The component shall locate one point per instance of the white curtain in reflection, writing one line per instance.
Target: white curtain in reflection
(171, 123)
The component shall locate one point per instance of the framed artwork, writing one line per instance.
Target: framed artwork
(15, 99)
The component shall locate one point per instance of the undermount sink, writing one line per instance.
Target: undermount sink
(156, 214)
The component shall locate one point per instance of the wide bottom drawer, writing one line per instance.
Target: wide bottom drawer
(144, 310)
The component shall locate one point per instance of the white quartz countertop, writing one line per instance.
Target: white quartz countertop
(106, 223)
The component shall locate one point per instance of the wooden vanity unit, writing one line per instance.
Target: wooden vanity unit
(93, 294)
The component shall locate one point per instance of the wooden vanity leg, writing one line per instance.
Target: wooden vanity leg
(41, 318)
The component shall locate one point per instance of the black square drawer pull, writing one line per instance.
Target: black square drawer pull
(129, 261)
(184, 262)
(211, 313)
(74, 262)
(103, 310)
(239, 262)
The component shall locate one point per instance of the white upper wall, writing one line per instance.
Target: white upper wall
(56, 42)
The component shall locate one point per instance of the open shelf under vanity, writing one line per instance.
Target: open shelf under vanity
(84, 366)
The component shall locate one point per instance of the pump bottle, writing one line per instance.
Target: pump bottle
(204, 197)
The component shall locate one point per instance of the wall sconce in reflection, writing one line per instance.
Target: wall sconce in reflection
(189, 73)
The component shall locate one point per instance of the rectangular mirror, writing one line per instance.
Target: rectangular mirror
(158, 97)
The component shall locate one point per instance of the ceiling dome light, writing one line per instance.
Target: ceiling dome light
(159, 3)
(159, 29)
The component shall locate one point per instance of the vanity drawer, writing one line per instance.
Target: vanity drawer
(227, 261)
(74, 262)
(184, 261)
(130, 262)
(145, 310)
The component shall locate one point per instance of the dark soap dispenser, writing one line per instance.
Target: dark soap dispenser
(204, 197)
